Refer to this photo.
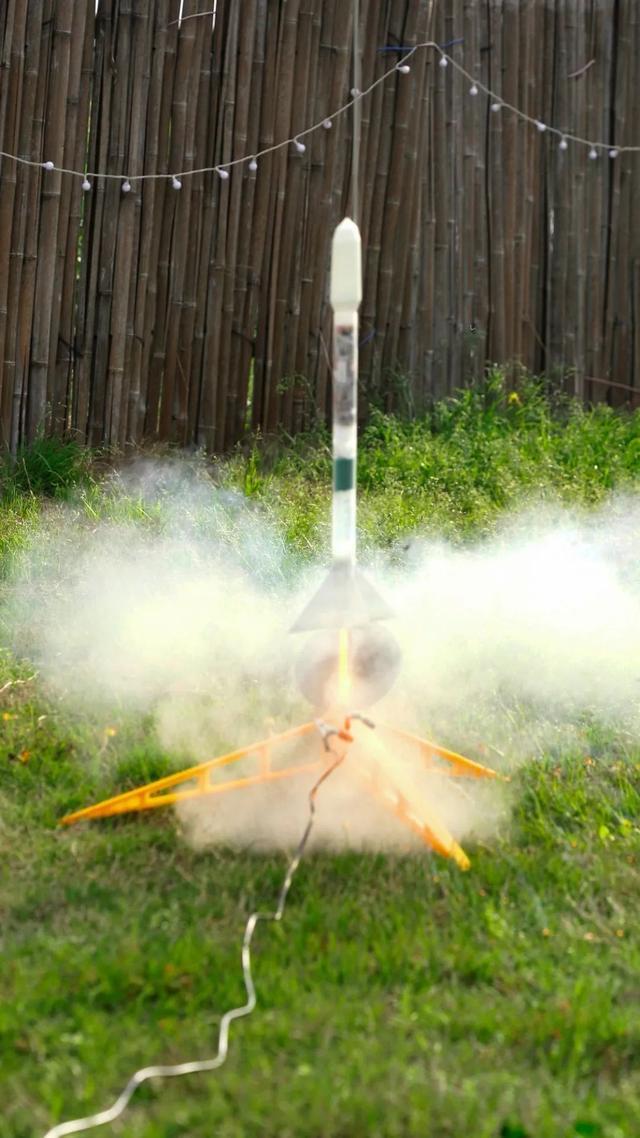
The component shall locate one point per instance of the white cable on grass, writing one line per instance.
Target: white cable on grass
(102, 1117)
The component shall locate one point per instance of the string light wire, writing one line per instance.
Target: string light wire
(496, 102)
(502, 104)
(101, 1118)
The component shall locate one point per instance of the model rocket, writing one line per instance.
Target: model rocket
(345, 599)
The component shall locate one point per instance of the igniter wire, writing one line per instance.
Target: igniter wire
(102, 1117)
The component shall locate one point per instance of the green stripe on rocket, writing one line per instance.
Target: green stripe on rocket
(344, 474)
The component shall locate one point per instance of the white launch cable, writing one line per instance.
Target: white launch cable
(102, 1117)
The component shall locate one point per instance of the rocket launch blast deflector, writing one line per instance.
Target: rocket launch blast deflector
(345, 598)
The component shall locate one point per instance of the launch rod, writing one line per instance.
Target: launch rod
(346, 295)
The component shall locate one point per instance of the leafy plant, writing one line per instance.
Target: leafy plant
(47, 468)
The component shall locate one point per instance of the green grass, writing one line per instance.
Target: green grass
(455, 471)
(399, 997)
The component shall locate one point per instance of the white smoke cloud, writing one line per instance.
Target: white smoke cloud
(548, 612)
(184, 613)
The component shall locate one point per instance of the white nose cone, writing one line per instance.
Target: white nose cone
(346, 267)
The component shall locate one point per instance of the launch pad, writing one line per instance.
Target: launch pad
(372, 767)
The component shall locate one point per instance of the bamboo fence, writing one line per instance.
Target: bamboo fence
(199, 315)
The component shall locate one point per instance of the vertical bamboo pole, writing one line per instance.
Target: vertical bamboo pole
(12, 207)
(105, 205)
(304, 363)
(530, 95)
(174, 395)
(496, 341)
(541, 225)
(29, 200)
(288, 301)
(512, 128)
(149, 225)
(186, 380)
(41, 369)
(443, 140)
(561, 335)
(263, 218)
(335, 47)
(203, 150)
(286, 116)
(129, 254)
(428, 227)
(599, 47)
(214, 219)
(398, 189)
(628, 246)
(576, 274)
(376, 33)
(557, 206)
(117, 255)
(221, 253)
(409, 331)
(633, 166)
(164, 205)
(473, 257)
(375, 297)
(238, 99)
(87, 387)
(61, 348)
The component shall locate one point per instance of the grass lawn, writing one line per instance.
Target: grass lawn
(399, 997)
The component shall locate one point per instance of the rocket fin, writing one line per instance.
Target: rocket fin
(345, 599)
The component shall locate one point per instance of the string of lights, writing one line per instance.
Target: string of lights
(199, 1066)
(596, 148)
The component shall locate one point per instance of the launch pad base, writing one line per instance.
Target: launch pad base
(375, 774)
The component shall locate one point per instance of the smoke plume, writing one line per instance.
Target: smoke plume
(177, 603)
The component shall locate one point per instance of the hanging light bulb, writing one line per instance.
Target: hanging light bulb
(300, 146)
(541, 126)
(327, 124)
(126, 186)
(613, 153)
(48, 166)
(86, 185)
(253, 165)
(443, 61)
(563, 144)
(403, 68)
(222, 173)
(473, 90)
(176, 183)
(593, 154)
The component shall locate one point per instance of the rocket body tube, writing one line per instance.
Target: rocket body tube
(345, 598)
(345, 426)
(346, 294)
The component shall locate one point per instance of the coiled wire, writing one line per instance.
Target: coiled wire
(102, 1117)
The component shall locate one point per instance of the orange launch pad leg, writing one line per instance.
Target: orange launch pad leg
(459, 766)
(198, 781)
(376, 773)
